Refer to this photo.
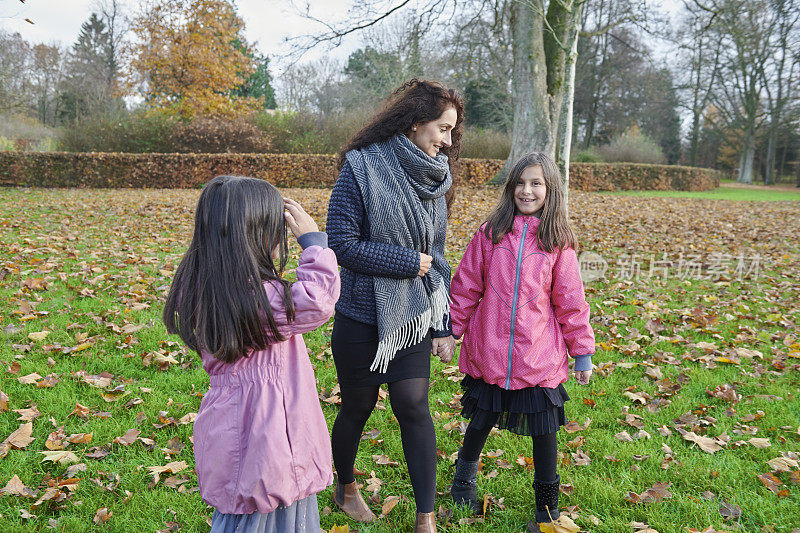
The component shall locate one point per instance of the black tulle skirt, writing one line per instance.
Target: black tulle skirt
(529, 411)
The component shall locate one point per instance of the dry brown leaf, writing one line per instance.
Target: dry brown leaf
(15, 487)
(384, 459)
(102, 515)
(30, 379)
(80, 438)
(21, 437)
(128, 438)
(388, 504)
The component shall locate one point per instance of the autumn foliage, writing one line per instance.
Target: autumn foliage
(125, 170)
(191, 56)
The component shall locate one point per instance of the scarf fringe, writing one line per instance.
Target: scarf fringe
(440, 307)
(406, 335)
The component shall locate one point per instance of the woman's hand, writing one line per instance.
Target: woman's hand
(583, 376)
(425, 261)
(444, 348)
(297, 219)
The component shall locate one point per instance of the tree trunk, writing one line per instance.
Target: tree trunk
(531, 129)
(538, 81)
(565, 122)
(747, 158)
(769, 163)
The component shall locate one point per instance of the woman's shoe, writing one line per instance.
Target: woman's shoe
(426, 523)
(349, 500)
(464, 489)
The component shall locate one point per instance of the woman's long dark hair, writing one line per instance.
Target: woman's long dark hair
(414, 102)
(217, 302)
(554, 229)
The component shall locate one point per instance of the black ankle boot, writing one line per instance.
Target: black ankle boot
(546, 500)
(465, 484)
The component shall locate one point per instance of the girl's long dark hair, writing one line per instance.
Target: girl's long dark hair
(554, 229)
(414, 102)
(217, 302)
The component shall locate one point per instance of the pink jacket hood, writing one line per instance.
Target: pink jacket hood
(520, 309)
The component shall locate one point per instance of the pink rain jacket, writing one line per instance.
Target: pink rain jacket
(520, 310)
(260, 439)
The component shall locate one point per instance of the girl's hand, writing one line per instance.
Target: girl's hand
(297, 219)
(583, 376)
(444, 348)
(425, 261)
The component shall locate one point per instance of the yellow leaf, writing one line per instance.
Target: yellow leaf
(562, 524)
(39, 335)
(61, 456)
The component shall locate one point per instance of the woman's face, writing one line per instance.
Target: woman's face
(432, 136)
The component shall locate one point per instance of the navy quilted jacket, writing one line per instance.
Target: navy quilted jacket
(361, 259)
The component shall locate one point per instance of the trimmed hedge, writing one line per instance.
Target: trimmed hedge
(123, 170)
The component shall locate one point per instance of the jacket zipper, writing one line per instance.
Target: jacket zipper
(514, 303)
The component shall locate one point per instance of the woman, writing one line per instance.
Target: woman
(386, 223)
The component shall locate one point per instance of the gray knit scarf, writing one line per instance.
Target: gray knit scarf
(403, 190)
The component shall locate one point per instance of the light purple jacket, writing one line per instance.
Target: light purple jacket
(260, 439)
(520, 309)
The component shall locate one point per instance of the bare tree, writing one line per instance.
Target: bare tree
(544, 47)
(699, 69)
(15, 55)
(778, 72)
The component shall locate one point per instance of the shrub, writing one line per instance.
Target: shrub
(632, 147)
(21, 132)
(142, 131)
(485, 144)
(586, 156)
(212, 135)
(62, 169)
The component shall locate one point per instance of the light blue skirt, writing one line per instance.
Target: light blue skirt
(300, 516)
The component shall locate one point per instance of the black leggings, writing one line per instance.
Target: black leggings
(409, 401)
(545, 451)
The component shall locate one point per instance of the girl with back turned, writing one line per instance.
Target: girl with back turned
(260, 440)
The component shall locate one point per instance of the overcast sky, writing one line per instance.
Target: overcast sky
(267, 22)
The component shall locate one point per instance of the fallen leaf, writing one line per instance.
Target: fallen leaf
(60, 456)
(80, 438)
(21, 437)
(39, 335)
(384, 459)
(128, 438)
(15, 487)
(29, 379)
(388, 504)
(102, 515)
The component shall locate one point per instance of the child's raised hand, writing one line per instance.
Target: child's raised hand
(297, 219)
(583, 376)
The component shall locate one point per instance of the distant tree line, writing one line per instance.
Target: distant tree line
(719, 87)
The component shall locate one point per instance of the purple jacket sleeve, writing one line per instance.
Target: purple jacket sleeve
(314, 293)
(571, 308)
(466, 289)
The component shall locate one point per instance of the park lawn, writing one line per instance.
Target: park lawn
(722, 193)
(696, 322)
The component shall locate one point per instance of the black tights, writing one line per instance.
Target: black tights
(409, 400)
(545, 451)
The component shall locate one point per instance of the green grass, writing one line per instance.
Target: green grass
(722, 193)
(123, 247)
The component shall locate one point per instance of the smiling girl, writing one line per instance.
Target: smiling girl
(518, 300)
